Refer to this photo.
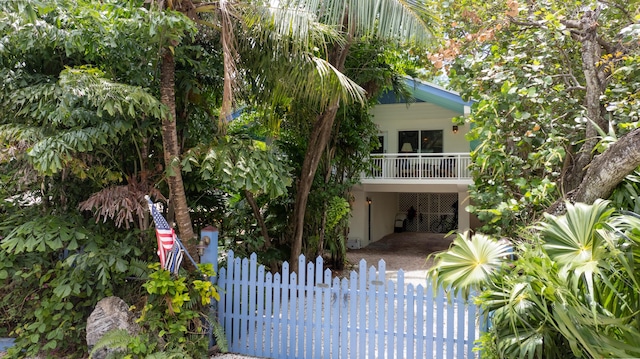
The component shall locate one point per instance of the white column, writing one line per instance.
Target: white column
(464, 223)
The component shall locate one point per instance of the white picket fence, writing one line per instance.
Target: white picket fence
(312, 315)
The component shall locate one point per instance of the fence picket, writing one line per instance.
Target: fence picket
(284, 310)
(343, 296)
(237, 282)
(292, 323)
(336, 321)
(353, 314)
(325, 343)
(420, 322)
(362, 307)
(450, 321)
(277, 313)
(382, 309)
(401, 315)
(252, 319)
(244, 305)
(391, 318)
(259, 341)
(269, 313)
(372, 312)
(300, 300)
(410, 328)
(429, 320)
(310, 325)
(312, 315)
(439, 302)
(461, 324)
(471, 334)
(318, 333)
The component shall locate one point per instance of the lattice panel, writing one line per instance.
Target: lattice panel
(406, 200)
(429, 207)
(447, 200)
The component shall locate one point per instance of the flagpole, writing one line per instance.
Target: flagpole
(184, 249)
(187, 253)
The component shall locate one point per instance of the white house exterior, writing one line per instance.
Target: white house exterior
(420, 172)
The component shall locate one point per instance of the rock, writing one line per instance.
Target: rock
(110, 313)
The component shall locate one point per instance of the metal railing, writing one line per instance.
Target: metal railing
(424, 166)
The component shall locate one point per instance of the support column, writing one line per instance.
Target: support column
(208, 251)
(464, 223)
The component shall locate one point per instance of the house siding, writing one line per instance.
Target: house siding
(371, 222)
(419, 116)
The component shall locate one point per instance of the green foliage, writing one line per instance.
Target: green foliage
(469, 263)
(570, 291)
(57, 268)
(337, 209)
(177, 311)
(242, 165)
(524, 68)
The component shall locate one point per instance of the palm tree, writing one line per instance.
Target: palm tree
(390, 19)
(295, 26)
(573, 290)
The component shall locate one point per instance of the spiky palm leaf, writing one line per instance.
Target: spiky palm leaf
(469, 263)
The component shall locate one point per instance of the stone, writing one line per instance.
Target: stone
(110, 313)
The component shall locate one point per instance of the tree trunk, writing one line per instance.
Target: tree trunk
(595, 83)
(610, 168)
(605, 172)
(177, 196)
(318, 140)
(256, 213)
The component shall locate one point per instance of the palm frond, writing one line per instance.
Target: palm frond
(469, 264)
(404, 20)
(125, 204)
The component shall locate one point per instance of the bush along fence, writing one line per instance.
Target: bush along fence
(313, 315)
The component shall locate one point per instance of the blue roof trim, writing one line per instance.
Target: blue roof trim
(428, 92)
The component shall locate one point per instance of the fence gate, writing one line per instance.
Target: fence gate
(312, 315)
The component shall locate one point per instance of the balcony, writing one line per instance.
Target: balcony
(419, 168)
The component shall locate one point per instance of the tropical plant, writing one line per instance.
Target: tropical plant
(57, 269)
(545, 76)
(571, 291)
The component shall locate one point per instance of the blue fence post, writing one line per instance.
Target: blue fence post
(209, 243)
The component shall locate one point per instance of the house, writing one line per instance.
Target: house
(419, 176)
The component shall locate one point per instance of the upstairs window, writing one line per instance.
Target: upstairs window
(424, 141)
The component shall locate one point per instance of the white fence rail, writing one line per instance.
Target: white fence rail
(420, 166)
(312, 315)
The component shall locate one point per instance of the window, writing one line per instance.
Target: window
(430, 141)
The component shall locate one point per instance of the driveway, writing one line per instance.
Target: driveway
(407, 251)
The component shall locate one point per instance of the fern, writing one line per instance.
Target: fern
(139, 268)
(218, 333)
(113, 339)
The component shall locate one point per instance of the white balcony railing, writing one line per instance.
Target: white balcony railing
(425, 166)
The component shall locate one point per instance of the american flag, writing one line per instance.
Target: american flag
(166, 241)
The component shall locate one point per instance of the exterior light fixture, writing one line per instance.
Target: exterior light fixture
(369, 200)
(204, 242)
(455, 129)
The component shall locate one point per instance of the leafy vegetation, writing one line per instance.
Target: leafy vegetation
(544, 82)
(105, 102)
(555, 124)
(570, 292)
